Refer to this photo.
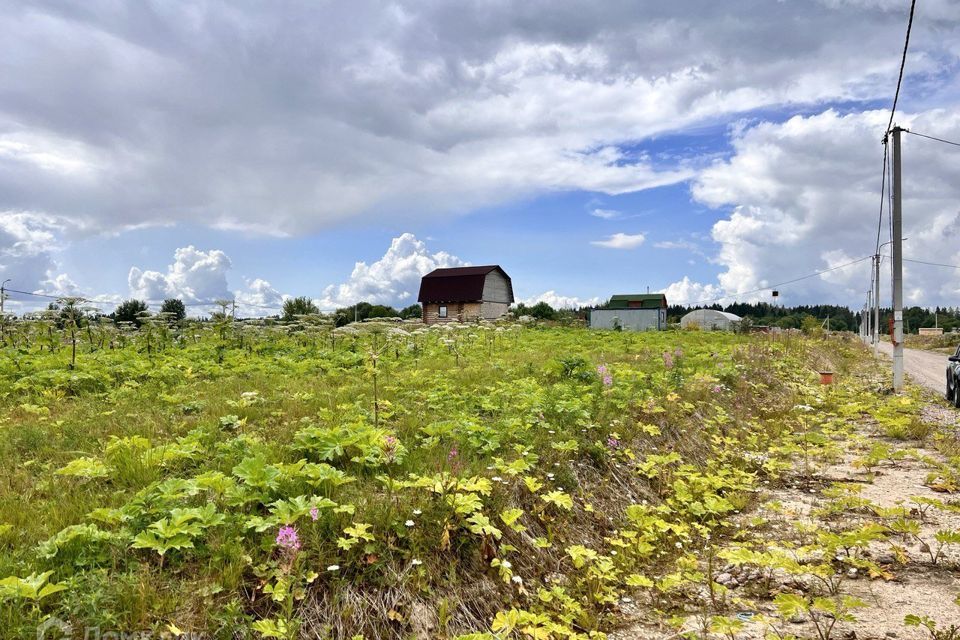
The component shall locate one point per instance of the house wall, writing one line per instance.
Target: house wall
(493, 310)
(496, 288)
(456, 312)
(630, 319)
(496, 296)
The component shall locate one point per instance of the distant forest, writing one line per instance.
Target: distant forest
(769, 315)
(841, 318)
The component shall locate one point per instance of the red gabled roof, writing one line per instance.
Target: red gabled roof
(458, 284)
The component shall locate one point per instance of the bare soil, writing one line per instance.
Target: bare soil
(915, 585)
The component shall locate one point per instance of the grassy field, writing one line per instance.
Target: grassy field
(947, 343)
(391, 481)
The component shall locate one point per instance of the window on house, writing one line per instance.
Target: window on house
(443, 311)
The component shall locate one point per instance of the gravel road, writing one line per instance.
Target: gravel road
(926, 368)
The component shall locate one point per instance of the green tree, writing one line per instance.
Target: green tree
(175, 309)
(129, 311)
(543, 311)
(413, 311)
(299, 306)
(361, 311)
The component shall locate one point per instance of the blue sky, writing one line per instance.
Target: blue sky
(340, 151)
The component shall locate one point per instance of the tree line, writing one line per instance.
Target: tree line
(841, 318)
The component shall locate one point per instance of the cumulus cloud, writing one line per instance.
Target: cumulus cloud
(558, 301)
(621, 241)
(315, 113)
(260, 298)
(29, 244)
(687, 292)
(393, 279)
(194, 276)
(805, 197)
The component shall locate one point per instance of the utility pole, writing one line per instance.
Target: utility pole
(897, 257)
(876, 304)
(3, 294)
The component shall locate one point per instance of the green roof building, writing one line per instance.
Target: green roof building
(638, 301)
(632, 312)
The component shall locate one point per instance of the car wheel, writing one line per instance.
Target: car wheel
(949, 392)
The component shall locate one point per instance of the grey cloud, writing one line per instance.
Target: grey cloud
(294, 116)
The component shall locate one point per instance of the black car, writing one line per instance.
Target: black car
(953, 378)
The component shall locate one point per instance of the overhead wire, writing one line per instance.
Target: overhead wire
(923, 135)
(782, 284)
(885, 177)
(903, 64)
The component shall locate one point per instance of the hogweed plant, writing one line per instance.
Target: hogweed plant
(263, 478)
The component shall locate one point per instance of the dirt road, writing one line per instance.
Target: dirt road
(926, 368)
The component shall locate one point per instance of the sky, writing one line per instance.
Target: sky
(256, 151)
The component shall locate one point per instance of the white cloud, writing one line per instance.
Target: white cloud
(605, 214)
(29, 244)
(421, 107)
(621, 241)
(687, 292)
(684, 245)
(59, 284)
(194, 276)
(805, 195)
(260, 299)
(393, 279)
(558, 301)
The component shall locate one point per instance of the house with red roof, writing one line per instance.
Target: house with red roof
(465, 294)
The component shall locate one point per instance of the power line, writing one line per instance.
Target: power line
(932, 264)
(44, 295)
(903, 64)
(893, 111)
(785, 282)
(923, 135)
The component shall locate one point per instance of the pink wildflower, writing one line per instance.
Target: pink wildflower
(667, 360)
(607, 380)
(678, 352)
(453, 453)
(601, 369)
(314, 513)
(613, 443)
(390, 448)
(288, 540)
